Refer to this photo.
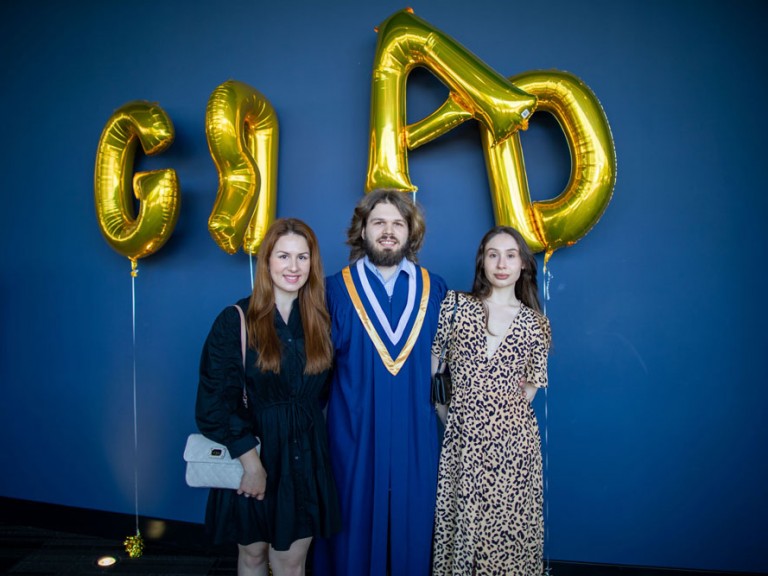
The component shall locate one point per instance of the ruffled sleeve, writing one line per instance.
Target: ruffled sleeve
(541, 338)
(442, 336)
(218, 411)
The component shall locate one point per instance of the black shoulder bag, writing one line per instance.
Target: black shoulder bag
(441, 380)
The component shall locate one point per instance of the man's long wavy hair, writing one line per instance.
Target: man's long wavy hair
(526, 288)
(315, 319)
(408, 210)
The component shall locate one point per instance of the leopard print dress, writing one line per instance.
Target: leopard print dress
(488, 519)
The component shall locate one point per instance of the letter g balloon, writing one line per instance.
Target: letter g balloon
(157, 191)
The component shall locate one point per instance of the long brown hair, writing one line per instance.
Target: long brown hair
(408, 210)
(526, 288)
(315, 319)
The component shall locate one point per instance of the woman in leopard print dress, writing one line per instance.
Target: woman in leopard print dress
(488, 518)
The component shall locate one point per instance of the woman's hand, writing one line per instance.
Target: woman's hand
(254, 480)
(442, 412)
(528, 390)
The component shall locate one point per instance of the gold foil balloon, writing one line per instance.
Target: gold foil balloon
(242, 131)
(550, 224)
(404, 42)
(157, 191)
(562, 221)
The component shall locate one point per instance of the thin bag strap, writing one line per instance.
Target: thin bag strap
(242, 349)
(443, 349)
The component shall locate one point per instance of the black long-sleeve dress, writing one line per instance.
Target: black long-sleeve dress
(285, 412)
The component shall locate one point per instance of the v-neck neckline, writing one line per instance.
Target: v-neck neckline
(501, 338)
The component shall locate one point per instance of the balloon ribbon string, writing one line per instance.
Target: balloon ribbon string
(250, 259)
(135, 424)
(547, 277)
(546, 476)
(547, 570)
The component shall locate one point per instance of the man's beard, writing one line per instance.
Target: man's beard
(384, 258)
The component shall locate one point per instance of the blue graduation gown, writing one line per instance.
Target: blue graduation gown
(382, 431)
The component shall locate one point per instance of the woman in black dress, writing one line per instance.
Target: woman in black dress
(286, 495)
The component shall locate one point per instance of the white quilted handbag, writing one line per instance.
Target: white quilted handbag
(209, 464)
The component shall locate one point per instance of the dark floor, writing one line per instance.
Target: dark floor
(28, 550)
(43, 552)
(49, 540)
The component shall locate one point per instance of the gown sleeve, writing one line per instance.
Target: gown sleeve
(536, 369)
(219, 412)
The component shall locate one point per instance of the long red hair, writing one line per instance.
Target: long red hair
(315, 319)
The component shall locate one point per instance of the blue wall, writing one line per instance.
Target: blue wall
(656, 416)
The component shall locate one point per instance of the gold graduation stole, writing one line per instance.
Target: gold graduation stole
(392, 365)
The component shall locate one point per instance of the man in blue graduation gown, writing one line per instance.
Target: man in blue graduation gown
(382, 427)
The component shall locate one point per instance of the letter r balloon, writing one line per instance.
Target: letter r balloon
(242, 131)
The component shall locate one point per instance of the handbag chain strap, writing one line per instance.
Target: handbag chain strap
(441, 363)
(242, 350)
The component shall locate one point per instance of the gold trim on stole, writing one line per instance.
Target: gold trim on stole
(393, 366)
